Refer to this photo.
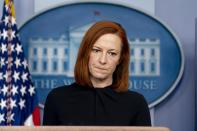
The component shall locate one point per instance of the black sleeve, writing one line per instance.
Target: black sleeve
(50, 116)
(143, 115)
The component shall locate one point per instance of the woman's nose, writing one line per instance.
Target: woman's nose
(103, 58)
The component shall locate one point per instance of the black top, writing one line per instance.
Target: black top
(77, 105)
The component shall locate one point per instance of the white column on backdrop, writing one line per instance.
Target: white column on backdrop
(1, 8)
(24, 10)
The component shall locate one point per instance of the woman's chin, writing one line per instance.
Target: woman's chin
(100, 77)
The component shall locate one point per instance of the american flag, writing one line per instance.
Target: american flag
(18, 100)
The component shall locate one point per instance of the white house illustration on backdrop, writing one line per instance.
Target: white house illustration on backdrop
(57, 56)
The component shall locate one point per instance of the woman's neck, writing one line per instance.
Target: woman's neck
(99, 83)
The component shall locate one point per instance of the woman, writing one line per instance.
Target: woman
(100, 94)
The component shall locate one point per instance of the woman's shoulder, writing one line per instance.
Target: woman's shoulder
(135, 97)
(130, 93)
(62, 90)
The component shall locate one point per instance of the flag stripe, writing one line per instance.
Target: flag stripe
(36, 119)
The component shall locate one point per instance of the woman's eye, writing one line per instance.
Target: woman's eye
(95, 50)
(112, 54)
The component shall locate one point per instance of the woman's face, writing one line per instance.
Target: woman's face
(104, 57)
